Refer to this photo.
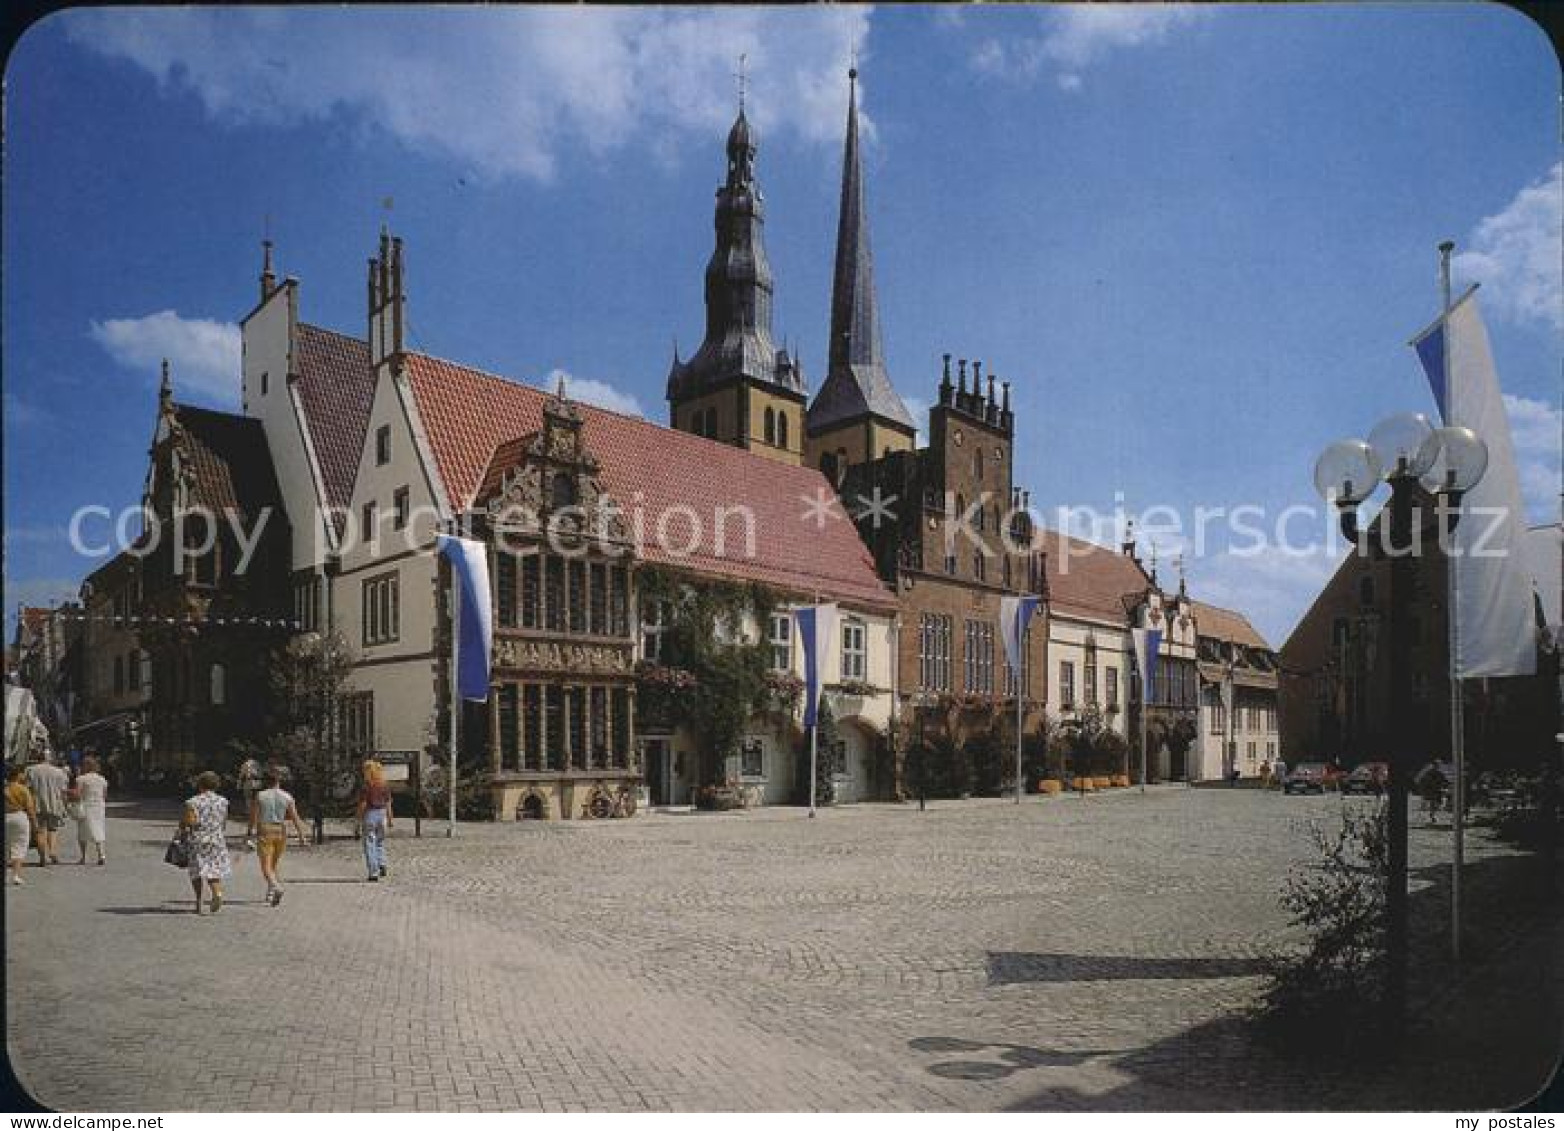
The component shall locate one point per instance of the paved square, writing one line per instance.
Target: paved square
(1069, 953)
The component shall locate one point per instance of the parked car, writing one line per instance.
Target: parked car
(1370, 777)
(1305, 777)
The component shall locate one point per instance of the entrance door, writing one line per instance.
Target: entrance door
(659, 771)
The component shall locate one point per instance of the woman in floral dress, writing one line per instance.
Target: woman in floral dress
(206, 821)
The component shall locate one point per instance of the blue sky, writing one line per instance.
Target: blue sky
(1196, 240)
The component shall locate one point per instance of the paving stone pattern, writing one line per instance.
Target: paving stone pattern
(1068, 954)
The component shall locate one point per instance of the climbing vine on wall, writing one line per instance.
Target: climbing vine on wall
(715, 634)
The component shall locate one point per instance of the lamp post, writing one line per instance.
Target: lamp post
(1406, 452)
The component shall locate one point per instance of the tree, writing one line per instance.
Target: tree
(310, 677)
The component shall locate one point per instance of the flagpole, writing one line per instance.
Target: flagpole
(814, 735)
(456, 702)
(1457, 707)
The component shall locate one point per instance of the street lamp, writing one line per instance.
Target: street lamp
(1408, 453)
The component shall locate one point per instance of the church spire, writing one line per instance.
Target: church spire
(856, 382)
(738, 344)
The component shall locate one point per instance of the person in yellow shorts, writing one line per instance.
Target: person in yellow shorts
(269, 818)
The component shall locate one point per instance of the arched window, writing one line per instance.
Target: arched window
(782, 429)
(771, 426)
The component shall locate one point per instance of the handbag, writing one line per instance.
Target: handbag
(178, 851)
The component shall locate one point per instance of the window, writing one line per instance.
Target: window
(781, 429)
(1111, 693)
(1066, 684)
(119, 675)
(950, 564)
(653, 626)
(369, 533)
(1218, 717)
(597, 727)
(383, 445)
(381, 616)
(978, 663)
(1090, 672)
(978, 565)
(554, 594)
(934, 652)
(505, 588)
(577, 601)
(263, 382)
(620, 722)
(781, 642)
(306, 603)
(133, 662)
(532, 727)
(400, 508)
(358, 723)
(619, 601)
(553, 727)
(217, 678)
(771, 426)
(576, 712)
(977, 466)
(854, 650)
(531, 590)
(597, 611)
(752, 758)
(510, 726)
(562, 490)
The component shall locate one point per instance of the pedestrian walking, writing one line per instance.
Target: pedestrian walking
(48, 783)
(249, 785)
(1430, 784)
(21, 816)
(206, 820)
(272, 809)
(1279, 775)
(92, 809)
(374, 818)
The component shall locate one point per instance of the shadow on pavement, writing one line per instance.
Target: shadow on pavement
(1011, 967)
(999, 1059)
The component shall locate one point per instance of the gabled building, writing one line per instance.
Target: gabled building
(1238, 668)
(380, 448)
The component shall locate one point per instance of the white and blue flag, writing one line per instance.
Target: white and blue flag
(475, 619)
(1014, 614)
(1495, 603)
(1148, 646)
(816, 624)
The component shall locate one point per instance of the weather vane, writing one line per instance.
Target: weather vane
(741, 77)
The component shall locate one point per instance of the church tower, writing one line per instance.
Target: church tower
(739, 388)
(857, 416)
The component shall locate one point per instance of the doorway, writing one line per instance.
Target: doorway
(659, 771)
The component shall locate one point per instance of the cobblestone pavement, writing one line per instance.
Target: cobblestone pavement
(1069, 953)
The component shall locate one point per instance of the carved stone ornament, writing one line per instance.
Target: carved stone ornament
(550, 656)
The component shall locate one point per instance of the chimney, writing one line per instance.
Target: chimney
(1127, 547)
(944, 383)
(961, 393)
(387, 300)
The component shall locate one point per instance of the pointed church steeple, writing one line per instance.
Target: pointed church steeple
(856, 386)
(738, 376)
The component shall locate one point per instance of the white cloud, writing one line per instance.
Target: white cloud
(599, 393)
(500, 89)
(1517, 254)
(202, 354)
(1273, 587)
(1537, 430)
(1077, 36)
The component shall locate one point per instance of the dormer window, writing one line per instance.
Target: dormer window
(383, 445)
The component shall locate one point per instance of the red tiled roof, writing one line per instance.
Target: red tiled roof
(1089, 579)
(1226, 624)
(230, 459)
(336, 386)
(468, 414)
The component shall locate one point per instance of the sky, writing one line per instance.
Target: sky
(1196, 239)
